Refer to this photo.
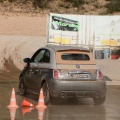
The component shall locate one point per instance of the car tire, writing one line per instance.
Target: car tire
(22, 89)
(99, 101)
(48, 99)
(46, 94)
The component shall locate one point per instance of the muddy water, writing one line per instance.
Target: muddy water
(82, 109)
(69, 110)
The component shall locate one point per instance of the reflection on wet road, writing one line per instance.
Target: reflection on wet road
(82, 109)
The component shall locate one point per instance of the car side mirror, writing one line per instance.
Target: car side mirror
(27, 60)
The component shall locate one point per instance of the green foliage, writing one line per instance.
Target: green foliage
(64, 5)
(11, 0)
(36, 3)
(113, 6)
(75, 3)
(110, 6)
(40, 3)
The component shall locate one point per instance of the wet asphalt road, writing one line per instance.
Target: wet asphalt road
(82, 109)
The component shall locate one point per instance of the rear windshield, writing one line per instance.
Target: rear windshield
(73, 56)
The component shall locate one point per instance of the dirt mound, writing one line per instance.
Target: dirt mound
(59, 6)
(15, 48)
(23, 25)
(11, 74)
(20, 38)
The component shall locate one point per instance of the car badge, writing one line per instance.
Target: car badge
(77, 66)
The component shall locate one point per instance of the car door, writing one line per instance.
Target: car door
(40, 68)
(33, 70)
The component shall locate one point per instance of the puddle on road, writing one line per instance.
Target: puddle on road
(84, 110)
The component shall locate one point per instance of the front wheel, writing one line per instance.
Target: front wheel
(99, 101)
(22, 89)
(46, 94)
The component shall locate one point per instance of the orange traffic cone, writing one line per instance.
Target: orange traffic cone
(12, 113)
(12, 100)
(25, 103)
(41, 100)
(27, 109)
(41, 113)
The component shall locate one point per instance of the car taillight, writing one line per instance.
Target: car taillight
(99, 75)
(56, 74)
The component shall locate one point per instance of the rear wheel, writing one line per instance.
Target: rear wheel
(47, 96)
(99, 101)
(22, 89)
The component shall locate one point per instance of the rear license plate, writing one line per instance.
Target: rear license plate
(84, 76)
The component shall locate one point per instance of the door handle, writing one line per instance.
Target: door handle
(37, 71)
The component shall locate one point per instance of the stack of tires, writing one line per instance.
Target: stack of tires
(99, 54)
(115, 52)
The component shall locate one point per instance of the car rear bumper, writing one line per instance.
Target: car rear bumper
(68, 88)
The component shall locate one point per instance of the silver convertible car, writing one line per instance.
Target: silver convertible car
(63, 72)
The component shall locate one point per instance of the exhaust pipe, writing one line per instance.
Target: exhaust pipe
(97, 95)
(62, 95)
